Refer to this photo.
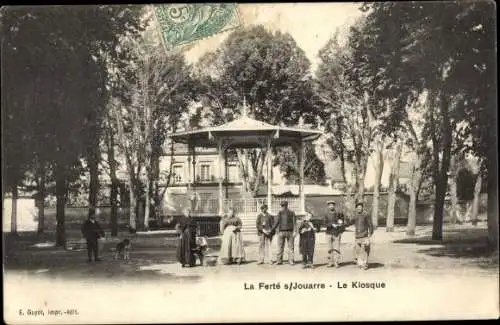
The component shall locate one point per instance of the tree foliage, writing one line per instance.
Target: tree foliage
(314, 168)
(267, 70)
(150, 97)
(55, 83)
(443, 50)
(349, 110)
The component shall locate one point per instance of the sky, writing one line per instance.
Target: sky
(310, 24)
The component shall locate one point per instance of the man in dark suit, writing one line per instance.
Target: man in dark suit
(92, 231)
(286, 227)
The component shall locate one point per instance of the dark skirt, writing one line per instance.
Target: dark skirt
(306, 243)
(185, 247)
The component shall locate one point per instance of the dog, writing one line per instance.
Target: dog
(201, 248)
(123, 250)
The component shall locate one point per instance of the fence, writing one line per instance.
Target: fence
(208, 226)
(244, 206)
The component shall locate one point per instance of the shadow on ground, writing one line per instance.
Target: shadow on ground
(468, 244)
(20, 255)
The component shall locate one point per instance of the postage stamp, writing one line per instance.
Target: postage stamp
(181, 24)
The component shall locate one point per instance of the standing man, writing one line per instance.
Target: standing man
(92, 231)
(363, 232)
(335, 225)
(265, 223)
(286, 227)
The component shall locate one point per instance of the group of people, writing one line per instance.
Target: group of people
(285, 226)
(231, 250)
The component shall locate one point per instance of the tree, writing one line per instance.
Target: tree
(393, 186)
(349, 110)
(434, 48)
(267, 70)
(110, 143)
(314, 169)
(477, 191)
(379, 168)
(39, 179)
(62, 50)
(158, 89)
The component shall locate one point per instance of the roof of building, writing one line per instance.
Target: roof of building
(246, 132)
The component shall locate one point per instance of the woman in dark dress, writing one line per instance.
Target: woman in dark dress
(186, 227)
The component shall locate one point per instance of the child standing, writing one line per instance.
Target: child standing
(307, 241)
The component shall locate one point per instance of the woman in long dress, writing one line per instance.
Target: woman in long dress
(232, 250)
(186, 227)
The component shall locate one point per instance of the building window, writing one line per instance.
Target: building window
(233, 173)
(205, 173)
(177, 174)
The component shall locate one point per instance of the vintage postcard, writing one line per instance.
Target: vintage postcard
(268, 162)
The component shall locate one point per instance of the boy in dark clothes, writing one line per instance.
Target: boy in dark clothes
(92, 231)
(307, 241)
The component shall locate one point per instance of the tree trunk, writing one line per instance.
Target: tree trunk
(453, 190)
(475, 201)
(393, 186)
(441, 169)
(114, 208)
(13, 215)
(453, 199)
(360, 191)
(114, 184)
(147, 203)
(61, 197)
(139, 208)
(349, 199)
(493, 192)
(3, 192)
(93, 161)
(41, 198)
(342, 164)
(132, 207)
(379, 167)
(413, 189)
(155, 186)
(258, 176)
(440, 188)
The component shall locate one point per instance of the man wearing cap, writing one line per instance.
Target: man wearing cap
(363, 232)
(286, 227)
(265, 222)
(335, 226)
